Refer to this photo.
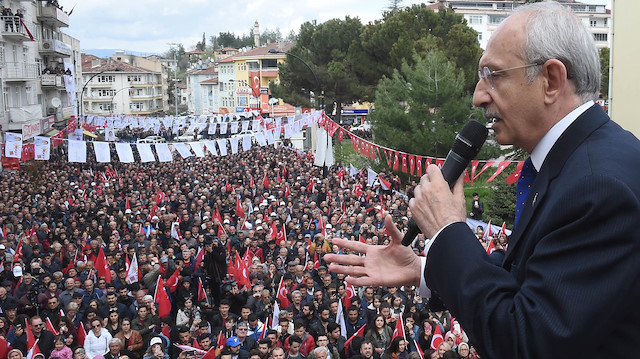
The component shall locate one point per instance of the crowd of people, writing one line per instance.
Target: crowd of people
(59, 218)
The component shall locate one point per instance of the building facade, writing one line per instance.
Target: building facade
(37, 63)
(116, 87)
(485, 16)
(201, 98)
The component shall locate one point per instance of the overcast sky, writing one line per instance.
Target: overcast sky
(149, 25)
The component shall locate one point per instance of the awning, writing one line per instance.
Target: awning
(52, 132)
(90, 134)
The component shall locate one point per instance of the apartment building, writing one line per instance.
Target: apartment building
(38, 64)
(484, 16)
(117, 87)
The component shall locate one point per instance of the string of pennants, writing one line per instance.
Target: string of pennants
(414, 164)
(77, 148)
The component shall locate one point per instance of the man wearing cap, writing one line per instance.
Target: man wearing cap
(234, 346)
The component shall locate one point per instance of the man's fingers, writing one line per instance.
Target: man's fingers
(344, 259)
(350, 245)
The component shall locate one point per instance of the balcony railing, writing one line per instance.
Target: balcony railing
(52, 15)
(19, 71)
(52, 81)
(12, 28)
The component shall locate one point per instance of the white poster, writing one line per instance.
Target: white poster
(222, 146)
(197, 148)
(146, 155)
(245, 126)
(212, 129)
(183, 150)
(246, 143)
(262, 141)
(125, 152)
(164, 154)
(234, 144)
(234, 127)
(13, 145)
(77, 151)
(42, 148)
(109, 134)
(211, 147)
(103, 152)
(223, 128)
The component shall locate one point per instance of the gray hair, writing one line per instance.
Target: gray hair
(554, 32)
(115, 341)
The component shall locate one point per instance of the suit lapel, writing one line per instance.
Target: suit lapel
(567, 143)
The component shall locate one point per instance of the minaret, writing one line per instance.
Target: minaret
(256, 34)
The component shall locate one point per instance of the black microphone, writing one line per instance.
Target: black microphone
(465, 147)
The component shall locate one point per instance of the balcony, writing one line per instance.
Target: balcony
(12, 29)
(52, 81)
(55, 48)
(19, 71)
(51, 15)
(22, 114)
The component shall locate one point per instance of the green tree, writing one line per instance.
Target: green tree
(324, 47)
(202, 45)
(420, 108)
(394, 5)
(604, 67)
(227, 39)
(269, 36)
(387, 43)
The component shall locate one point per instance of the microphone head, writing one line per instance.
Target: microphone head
(470, 140)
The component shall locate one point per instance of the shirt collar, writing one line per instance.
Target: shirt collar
(542, 149)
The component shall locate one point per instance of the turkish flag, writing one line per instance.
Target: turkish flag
(359, 333)
(341, 135)
(399, 329)
(82, 334)
(350, 292)
(404, 163)
(265, 181)
(199, 257)
(501, 166)
(159, 197)
(412, 163)
(486, 165)
(172, 282)
(239, 209)
(437, 337)
(282, 295)
(241, 272)
(50, 327)
(162, 298)
(316, 261)
(202, 295)
(102, 267)
(515, 175)
(396, 163)
(286, 192)
(254, 80)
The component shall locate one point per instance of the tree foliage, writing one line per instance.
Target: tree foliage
(202, 45)
(604, 67)
(324, 47)
(420, 108)
(385, 44)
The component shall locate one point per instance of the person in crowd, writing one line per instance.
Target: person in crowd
(97, 340)
(130, 339)
(61, 350)
(379, 334)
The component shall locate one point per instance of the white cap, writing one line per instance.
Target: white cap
(328, 225)
(156, 340)
(127, 211)
(248, 225)
(17, 271)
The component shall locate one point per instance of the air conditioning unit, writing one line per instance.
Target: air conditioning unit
(47, 45)
(51, 111)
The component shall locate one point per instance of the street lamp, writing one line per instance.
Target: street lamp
(87, 83)
(114, 96)
(175, 73)
(274, 51)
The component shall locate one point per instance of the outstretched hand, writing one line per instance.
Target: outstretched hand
(392, 265)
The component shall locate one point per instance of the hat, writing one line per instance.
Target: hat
(127, 211)
(226, 221)
(5, 283)
(100, 213)
(233, 342)
(2, 246)
(155, 340)
(328, 225)
(155, 218)
(248, 225)
(273, 214)
(322, 267)
(17, 271)
(164, 259)
(77, 295)
(205, 218)
(292, 264)
(258, 221)
(282, 203)
(259, 228)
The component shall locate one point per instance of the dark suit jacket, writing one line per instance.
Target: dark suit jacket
(570, 282)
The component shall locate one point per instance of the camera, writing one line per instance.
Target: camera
(228, 284)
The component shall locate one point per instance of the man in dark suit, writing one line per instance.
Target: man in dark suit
(570, 281)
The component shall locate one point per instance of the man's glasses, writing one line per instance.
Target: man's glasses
(485, 73)
(97, 326)
(37, 325)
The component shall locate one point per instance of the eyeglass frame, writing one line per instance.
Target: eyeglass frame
(486, 73)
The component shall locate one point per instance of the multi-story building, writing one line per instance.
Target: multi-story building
(116, 87)
(37, 63)
(153, 63)
(254, 69)
(484, 16)
(202, 96)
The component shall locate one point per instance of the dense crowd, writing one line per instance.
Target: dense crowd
(57, 217)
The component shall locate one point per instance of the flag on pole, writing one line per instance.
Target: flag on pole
(132, 272)
(102, 266)
(359, 333)
(162, 298)
(437, 337)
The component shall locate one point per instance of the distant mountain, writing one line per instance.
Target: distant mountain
(102, 53)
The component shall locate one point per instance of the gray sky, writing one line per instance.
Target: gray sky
(149, 25)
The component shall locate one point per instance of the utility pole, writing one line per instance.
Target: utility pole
(175, 74)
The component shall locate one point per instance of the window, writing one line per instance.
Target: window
(106, 78)
(134, 78)
(106, 106)
(593, 23)
(480, 36)
(136, 106)
(600, 37)
(243, 101)
(475, 19)
(494, 19)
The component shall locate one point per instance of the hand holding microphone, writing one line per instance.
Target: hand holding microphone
(465, 147)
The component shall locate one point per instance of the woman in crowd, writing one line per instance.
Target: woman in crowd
(156, 350)
(396, 350)
(113, 321)
(188, 313)
(379, 334)
(131, 339)
(97, 340)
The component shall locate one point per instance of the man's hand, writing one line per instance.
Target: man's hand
(392, 265)
(434, 206)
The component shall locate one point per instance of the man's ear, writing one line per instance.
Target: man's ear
(554, 73)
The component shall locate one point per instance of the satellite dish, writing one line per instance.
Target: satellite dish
(55, 102)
